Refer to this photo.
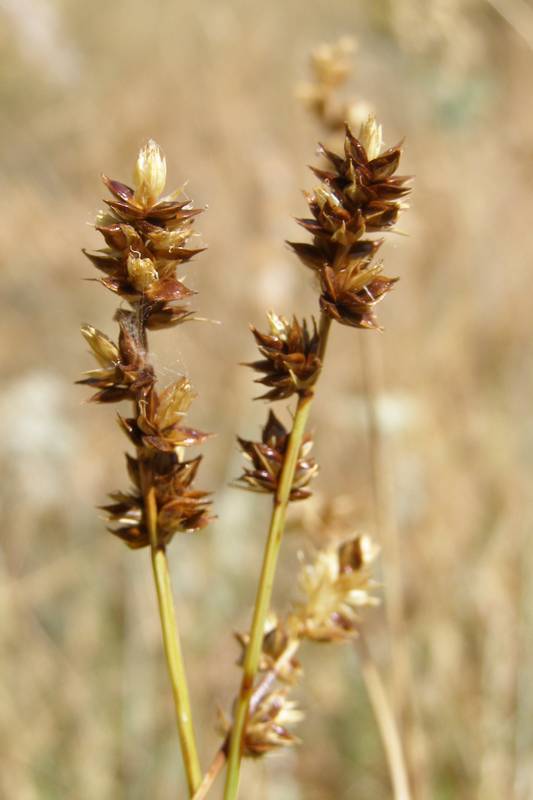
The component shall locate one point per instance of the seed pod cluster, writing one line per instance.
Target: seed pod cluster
(146, 238)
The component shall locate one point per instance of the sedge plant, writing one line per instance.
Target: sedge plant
(146, 235)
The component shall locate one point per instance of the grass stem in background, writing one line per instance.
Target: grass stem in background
(386, 721)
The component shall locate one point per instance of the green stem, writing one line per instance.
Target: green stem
(171, 642)
(266, 580)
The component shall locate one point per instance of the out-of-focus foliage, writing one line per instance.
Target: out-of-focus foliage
(84, 709)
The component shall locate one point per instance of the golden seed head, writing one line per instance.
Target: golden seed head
(279, 325)
(150, 174)
(324, 196)
(331, 62)
(142, 271)
(337, 585)
(105, 352)
(371, 137)
(170, 239)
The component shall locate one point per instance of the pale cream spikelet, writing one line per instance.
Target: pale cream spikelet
(150, 174)
(371, 136)
(142, 272)
(337, 585)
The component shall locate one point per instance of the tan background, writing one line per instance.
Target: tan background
(84, 703)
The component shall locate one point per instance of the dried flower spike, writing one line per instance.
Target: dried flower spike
(268, 726)
(330, 68)
(359, 194)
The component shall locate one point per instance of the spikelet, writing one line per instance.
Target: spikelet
(266, 460)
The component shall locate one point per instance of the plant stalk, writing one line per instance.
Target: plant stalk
(266, 581)
(171, 643)
(385, 720)
(212, 773)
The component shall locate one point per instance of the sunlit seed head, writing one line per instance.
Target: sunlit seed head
(371, 137)
(105, 352)
(150, 174)
(142, 272)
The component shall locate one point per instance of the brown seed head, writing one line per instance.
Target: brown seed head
(290, 361)
(181, 509)
(359, 193)
(146, 241)
(266, 460)
(146, 238)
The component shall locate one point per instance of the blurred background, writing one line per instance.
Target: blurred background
(438, 465)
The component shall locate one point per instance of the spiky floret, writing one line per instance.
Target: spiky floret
(359, 194)
(269, 724)
(181, 509)
(266, 460)
(289, 356)
(146, 238)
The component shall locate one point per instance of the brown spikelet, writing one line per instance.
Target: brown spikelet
(268, 725)
(181, 509)
(146, 238)
(266, 460)
(290, 361)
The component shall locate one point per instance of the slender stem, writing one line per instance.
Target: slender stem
(266, 580)
(264, 593)
(212, 773)
(386, 522)
(324, 328)
(385, 721)
(171, 642)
